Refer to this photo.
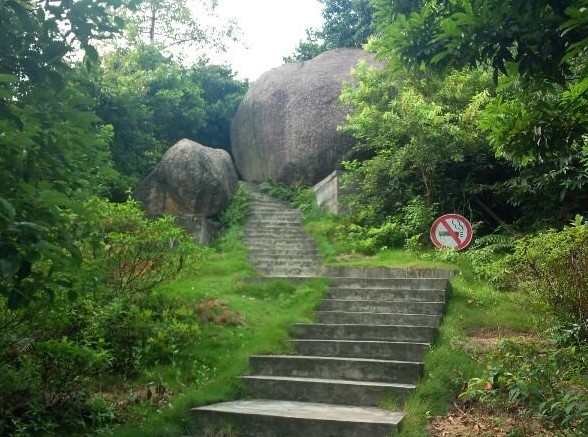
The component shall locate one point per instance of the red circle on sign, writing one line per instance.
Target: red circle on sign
(451, 231)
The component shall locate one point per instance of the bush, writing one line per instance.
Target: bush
(552, 265)
(110, 322)
(545, 380)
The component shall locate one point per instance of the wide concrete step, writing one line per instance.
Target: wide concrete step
(272, 208)
(268, 221)
(284, 263)
(391, 283)
(268, 239)
(387, 272)
(294, 244)
(271, 252)
(381, 306)
(289, 273)
(319, 331)
(329, 391)
(273, 225)
(269, 214)
(271, 418)
(369, 318)
(276, 231)
(385, 294)
(353, 369)
(382, 350)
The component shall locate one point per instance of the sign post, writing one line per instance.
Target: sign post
(451, 231)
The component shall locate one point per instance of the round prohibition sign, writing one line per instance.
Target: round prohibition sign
(451, 231)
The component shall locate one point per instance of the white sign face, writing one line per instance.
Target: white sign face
(451, 231)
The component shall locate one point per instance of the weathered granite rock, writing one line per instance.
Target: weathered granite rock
(189, 179)
(285, 129)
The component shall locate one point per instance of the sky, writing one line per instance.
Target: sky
(271, 29)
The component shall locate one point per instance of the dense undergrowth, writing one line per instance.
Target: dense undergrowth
(235, 318)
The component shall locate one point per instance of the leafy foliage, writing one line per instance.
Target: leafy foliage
(552, 264)
(152, 101)
(347, 23)
(168, 24)
(418, 142)
(54, 356)
(536, 49)
(543, 380)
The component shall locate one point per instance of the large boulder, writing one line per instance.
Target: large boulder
(190, 179)
(285, 129)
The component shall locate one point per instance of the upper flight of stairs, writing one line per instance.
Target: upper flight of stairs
(278, 244)
(365, 351)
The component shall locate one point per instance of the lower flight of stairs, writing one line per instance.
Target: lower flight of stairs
(353, 369)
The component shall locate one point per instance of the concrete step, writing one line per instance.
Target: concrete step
(269, 208)
(271, 252)
(382, 350)
(391, 283)
(387, 272)
(289, 273)
(273, 213)
(368, 318)
(381, 306)
(275, 231)
(385, 294)
(271, 418)
(294, 244)
(284, 263)
(276, 237)
(274, 224)
(319, 331)
(353, 369)
(329, 391)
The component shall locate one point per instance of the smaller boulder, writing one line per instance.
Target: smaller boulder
(189, 179)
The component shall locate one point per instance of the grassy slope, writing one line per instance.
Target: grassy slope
(221, 351)
(473, 306)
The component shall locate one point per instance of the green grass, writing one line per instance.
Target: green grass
(219, 354)
(472, 306)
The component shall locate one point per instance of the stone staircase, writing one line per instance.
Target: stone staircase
(365, 351)
(278, 245)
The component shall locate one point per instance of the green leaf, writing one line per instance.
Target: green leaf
(10, 265)
(7, 211)
(8, 78)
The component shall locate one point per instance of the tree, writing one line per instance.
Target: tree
(172, 26)
(152, 101)
(52, 145)
(418, 139)
(347, 23)
(222, 94)
(537, 116)
(533, 47)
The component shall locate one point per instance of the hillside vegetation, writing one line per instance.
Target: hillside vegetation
(109, 318)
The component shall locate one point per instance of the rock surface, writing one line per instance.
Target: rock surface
(190, 179)
(285, 129)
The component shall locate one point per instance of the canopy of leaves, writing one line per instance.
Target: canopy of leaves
(418, 139)
(175, 27)
(536, 48)
(347, 23)
(152, 101)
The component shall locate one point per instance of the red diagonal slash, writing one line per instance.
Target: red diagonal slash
(452, 233)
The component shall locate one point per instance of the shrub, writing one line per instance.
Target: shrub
(553, 266)
(539, 379)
